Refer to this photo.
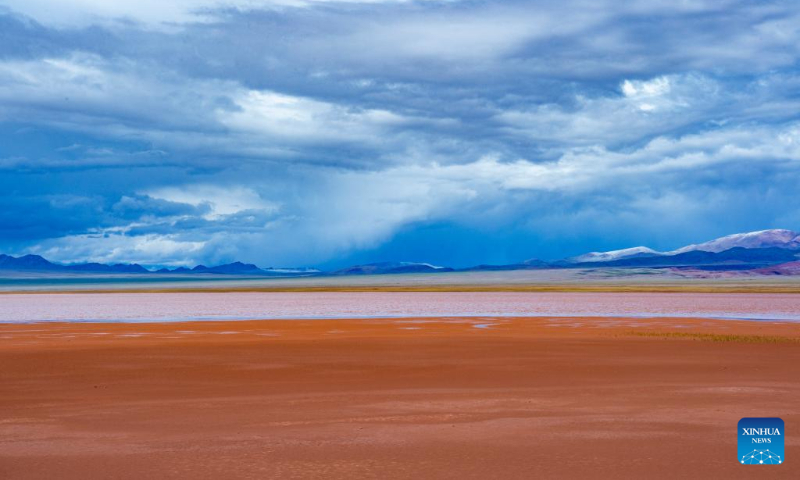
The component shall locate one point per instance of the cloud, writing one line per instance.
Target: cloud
(216, 201)
(316, 132)
(110, 248)
(153, 12)
(676, 181)
(120, 99)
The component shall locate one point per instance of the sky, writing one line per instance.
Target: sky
(325, 133)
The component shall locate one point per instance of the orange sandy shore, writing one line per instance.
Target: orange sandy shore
(394, 398)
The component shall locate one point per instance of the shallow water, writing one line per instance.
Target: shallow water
(161, 307)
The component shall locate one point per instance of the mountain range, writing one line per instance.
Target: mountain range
(39, 264)
(391, 267)
(36, 263)
(765, 252)
(776, 238)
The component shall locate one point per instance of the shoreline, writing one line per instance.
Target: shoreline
(233, 320)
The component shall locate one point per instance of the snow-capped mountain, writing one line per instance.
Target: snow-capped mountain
(778, 238)
(614, 255)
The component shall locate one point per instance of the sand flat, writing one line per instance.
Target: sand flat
(521, 398)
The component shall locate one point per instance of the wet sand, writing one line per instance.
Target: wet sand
(394, 398)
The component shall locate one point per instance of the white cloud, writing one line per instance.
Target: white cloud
(222, 200)
(286, 118)
(356, 210)
(154, 12)
(653, 107)
(121, 99)
(643, 89)
(341, 211)
(115, 247)
(364, 120)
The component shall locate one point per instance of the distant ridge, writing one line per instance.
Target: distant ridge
(614, 255)
(230, 268)
(789, 268)
(773, 252)
(382, 268)
(775, 238)
(778, 238)
(735, 257)
(36, 263)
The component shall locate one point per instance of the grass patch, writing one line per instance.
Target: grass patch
(717, 337)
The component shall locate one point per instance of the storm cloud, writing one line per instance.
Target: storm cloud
(317, 133)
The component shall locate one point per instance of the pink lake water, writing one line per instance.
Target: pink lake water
(163, 307)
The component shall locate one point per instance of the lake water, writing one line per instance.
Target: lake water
(162, 307)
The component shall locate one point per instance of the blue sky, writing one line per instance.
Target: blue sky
(324, 133)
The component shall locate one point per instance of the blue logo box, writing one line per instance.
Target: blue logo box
(761, 441)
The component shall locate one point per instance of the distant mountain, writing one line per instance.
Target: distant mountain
(295, 271)
(535, 263)
(777, 238)
(390, 267)
(614, 255)
(39, 264)
(36, 263)
(789, 268)
(235, 268)
(178, 270)
(239, 268)
(644, 256)
(103, 268)
(774, 252)
(26, 262)
(730, 258)
(531, 264)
